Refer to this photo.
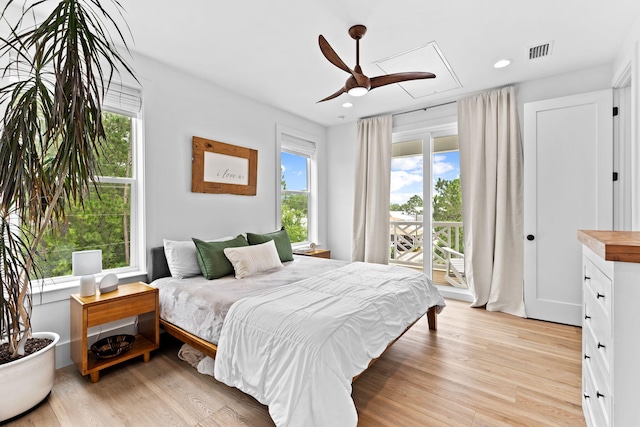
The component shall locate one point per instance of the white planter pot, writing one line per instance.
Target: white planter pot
(27, 381)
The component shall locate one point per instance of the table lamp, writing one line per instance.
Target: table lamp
(86, 264)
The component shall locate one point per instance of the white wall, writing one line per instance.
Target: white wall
(629, 48)
(340, 178)
(341, 143)
(628, 60)
(587, 80)
(178, 106)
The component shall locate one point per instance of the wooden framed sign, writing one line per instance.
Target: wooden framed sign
(223, 168)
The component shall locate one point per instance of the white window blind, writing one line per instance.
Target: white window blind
(297, 145)
(119, 98)
(123, 99)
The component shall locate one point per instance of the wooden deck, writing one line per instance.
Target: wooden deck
(438, 278)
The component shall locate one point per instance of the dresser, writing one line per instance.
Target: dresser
(611, 328)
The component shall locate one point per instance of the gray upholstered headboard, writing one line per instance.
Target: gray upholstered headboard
(157, 266)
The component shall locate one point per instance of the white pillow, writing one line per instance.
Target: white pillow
(249, 260)
(182, 258)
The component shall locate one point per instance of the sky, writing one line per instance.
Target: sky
(294, 169)
(406, 174)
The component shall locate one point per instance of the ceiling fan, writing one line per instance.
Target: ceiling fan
(358, 84)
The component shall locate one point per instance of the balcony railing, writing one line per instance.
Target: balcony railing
(408, 242)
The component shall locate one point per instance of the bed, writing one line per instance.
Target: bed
(296, 337)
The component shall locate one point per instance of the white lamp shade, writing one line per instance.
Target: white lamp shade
(86, 262)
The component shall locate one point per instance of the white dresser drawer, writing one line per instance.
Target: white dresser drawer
(596, 332)
(595, 366)
(596, 412)
(596, 358)
(599, 284)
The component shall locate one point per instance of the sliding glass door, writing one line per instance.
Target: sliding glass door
(409, 232)
(426, 203)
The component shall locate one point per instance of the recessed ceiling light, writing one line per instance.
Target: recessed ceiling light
(502, 63)
(347, 105)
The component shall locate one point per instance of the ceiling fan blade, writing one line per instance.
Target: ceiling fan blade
(331, 55)
(399, 77)
(335, 95)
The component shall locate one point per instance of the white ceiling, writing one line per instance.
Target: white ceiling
(268, 50)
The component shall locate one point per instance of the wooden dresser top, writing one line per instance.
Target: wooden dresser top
(612, 245)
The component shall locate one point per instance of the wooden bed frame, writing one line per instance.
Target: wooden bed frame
(158, 267)
(210, 349)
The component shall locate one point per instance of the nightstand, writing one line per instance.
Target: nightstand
(128, 300)
(317, 253)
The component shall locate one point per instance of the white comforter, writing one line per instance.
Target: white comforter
(199, 305)
(296, 348)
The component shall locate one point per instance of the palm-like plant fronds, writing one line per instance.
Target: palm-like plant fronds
(51, 133)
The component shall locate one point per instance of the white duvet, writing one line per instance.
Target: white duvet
(199, 306)
(296, 348)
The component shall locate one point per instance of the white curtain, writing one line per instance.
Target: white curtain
(372, 191)
(491, 174)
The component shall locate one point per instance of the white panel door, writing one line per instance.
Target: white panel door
(568, 185)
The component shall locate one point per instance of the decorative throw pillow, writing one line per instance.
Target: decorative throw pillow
(280, 238)
(181, 257)
(254, 259)
(211, 257)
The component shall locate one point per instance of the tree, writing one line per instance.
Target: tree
(413, 206)
(447, 200)
(295, 211)
(102, 222)
(447, 207)
(395, 207)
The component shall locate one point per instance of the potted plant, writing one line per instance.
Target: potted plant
(54, 75)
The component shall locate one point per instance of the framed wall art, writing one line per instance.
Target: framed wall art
(223, 168)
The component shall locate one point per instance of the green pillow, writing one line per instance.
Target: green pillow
(213, 263)
(280, 238)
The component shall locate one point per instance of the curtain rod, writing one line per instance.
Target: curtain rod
(424, 108)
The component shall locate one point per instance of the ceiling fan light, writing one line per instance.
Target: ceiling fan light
(358, 91)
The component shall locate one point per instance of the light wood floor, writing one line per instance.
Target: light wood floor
(478, 369)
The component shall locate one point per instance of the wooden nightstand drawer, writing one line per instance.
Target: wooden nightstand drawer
(121, 308)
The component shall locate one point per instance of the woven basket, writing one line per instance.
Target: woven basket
(112, 346)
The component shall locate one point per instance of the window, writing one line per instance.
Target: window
(108, 222)
(297, 205)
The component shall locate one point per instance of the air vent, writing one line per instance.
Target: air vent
(540, 51)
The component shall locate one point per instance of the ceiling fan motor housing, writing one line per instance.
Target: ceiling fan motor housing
(357, 80)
